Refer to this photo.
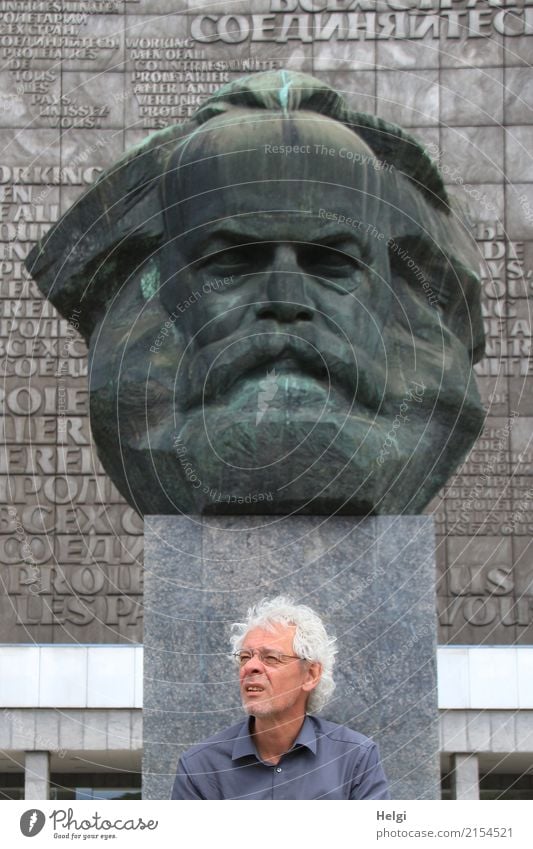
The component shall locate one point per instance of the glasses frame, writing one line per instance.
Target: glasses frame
(261, 653)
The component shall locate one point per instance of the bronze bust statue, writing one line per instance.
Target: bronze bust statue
(281, 307)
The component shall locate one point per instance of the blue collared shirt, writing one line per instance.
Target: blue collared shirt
(326, 761)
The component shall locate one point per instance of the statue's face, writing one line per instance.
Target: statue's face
(282, 274)
(297, 372)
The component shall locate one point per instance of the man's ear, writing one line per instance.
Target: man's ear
(314, 674)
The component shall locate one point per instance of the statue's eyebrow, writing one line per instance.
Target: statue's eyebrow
(232, 237)
(328, 233)
(331, 233)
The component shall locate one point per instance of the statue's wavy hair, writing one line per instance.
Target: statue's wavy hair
(289, 92)
(311, 640)
(118, 225)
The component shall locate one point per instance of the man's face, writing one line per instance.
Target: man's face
(297, 370)
(281, 691)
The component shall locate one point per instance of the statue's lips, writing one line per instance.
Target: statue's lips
(216, 371)
(286, 381)
(289, 365)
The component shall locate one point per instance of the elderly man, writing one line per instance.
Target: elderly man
(283, 751)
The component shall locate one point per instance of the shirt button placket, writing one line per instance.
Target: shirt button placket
(275, 771)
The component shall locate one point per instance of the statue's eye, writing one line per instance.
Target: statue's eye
(324, 259)
(240, 258)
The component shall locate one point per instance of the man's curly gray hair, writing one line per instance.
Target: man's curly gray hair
(311, 640)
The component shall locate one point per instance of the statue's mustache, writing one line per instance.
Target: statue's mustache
(214, 369)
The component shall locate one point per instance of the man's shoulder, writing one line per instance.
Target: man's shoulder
(340, 733)
(221, 742)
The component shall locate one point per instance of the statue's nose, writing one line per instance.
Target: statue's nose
(286, 298)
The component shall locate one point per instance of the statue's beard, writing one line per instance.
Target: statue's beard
(271, 424)
(294, 456)
(277, 429)
(330, 367)
(259, 412)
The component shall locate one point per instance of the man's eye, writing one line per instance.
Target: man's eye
(272, 659)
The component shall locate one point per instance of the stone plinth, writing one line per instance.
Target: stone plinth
(373, 582)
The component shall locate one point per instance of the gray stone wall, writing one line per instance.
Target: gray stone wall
(82, 80)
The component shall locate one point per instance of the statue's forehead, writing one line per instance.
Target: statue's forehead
(269, 162)
(260, 127)
(247, 144)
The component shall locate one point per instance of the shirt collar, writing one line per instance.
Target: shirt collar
(244, 744)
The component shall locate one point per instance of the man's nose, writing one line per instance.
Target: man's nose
(254, 664)
(286, 298)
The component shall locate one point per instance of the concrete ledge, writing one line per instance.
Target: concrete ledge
(486, 731)
(63, 731)
(56, 731)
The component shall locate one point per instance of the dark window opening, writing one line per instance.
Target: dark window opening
(496, 785)
(98, 785)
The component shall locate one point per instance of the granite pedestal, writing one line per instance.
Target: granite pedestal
(372, 580)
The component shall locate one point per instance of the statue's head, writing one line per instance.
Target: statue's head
(281, 308)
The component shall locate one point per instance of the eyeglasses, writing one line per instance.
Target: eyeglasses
(269, 657)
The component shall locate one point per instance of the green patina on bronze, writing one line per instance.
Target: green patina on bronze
(281, 306)
(150, 281)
